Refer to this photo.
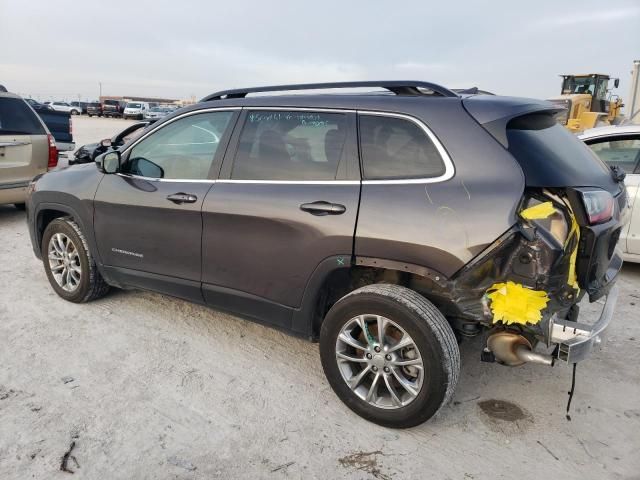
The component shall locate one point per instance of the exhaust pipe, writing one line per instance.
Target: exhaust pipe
(512, 349)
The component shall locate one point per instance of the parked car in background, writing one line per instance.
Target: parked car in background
(58, 123)
(94, 109)
(81, 105)
(155, 113)
(113, 108)
(37, 106)
(135, 110)
(619, 147)
(27, 148)
(66, 107)
(88, 153)
(379, 224)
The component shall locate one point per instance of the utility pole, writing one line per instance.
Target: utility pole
(100, 83)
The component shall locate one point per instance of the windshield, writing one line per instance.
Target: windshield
(578, 85)
(156, 109)
(134, 105)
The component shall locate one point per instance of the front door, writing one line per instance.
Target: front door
(287, 199)
(148, 219)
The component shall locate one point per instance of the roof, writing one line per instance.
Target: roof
(398, 87)
(584, 74)
(609, 130)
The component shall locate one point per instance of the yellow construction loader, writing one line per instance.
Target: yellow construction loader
(588, 101)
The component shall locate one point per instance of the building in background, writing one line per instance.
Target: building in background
(151, 100)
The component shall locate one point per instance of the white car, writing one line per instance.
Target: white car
(135, 110)
(620, 146)
(65, 107)
(158, 112)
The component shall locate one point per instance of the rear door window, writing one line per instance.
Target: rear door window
(622, 151)
(290, 145)
(395, 148)
(16, 118)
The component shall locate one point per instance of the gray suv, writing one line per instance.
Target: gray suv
(387, 225)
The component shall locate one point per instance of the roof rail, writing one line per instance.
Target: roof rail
(399, 87)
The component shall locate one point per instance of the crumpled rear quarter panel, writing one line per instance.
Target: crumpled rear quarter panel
(443, 225)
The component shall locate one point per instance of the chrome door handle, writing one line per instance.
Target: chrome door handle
(322, 208)
(182, 198)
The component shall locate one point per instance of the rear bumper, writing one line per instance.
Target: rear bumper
(65, 146)
(576, 340)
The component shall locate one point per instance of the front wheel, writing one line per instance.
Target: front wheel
(390, 355)
(70, 267)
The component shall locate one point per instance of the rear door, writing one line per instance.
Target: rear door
(286, 200)
(147, 218)
(24, 147)
(623, 151)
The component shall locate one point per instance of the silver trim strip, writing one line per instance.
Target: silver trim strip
(14, 144)
(296, 182)
(150, 179)
(447, 175)
(303, 109)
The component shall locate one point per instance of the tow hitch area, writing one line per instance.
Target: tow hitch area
(575, 340)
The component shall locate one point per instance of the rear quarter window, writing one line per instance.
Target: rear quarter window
(16, 118)
(395, 148)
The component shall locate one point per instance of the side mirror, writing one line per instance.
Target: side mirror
(145, 168)
(106, 143)
(616, 82)
(109, 162)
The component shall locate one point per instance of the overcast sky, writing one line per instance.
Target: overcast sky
(62, 49)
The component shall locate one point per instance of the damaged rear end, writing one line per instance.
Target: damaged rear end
(526, 286)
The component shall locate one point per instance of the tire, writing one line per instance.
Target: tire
(90, 284)
(20, 206)
(89, 115)
(435, 348)
(74, 112)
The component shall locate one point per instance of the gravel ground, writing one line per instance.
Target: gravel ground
(140, 385)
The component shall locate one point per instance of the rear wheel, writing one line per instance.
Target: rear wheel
(390, 355)
(70, 268)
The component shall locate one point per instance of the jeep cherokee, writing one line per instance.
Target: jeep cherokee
(387, 225)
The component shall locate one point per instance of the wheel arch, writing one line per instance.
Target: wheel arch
(338, 276)
(46, 212)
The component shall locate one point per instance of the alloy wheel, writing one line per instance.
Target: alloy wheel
(64, 262)
(379, 361)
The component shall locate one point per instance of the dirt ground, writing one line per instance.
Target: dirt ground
(139, 385)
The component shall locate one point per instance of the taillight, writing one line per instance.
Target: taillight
(599, 205)
(53, 153)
